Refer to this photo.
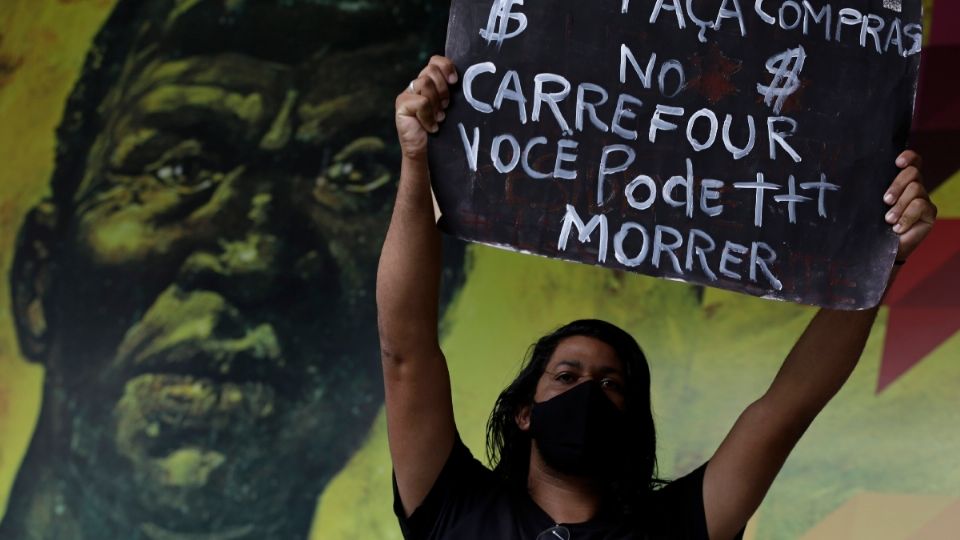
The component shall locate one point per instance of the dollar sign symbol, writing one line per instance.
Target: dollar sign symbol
(501, 13)
(784, 66)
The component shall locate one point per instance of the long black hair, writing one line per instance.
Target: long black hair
(508, 447)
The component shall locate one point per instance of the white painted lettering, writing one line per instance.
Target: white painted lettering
(571, 219)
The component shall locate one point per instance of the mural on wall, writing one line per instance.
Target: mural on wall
(187, 331)
(198, 284)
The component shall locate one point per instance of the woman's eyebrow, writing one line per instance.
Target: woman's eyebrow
(570, 363)
(577, 364)
(610, 369)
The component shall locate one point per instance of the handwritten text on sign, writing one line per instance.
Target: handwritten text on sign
(743, 145)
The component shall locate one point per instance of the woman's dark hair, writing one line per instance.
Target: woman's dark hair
(508, 447)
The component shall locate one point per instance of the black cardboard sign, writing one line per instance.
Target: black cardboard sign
(741, 144)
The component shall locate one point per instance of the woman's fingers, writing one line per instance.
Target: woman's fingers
(910, 162)
(439, 82)
(910, 174)
(430, 113)
(917, 210)
(912, 191)
(419, 108)
(908, 158)
(409, 104)
(912, 213)
(445, 65)
(432, 84)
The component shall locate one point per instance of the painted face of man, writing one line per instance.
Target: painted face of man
(209, 327)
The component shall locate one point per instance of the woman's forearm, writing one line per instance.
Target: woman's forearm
(408, 278)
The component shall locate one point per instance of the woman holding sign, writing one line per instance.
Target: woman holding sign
(573, 435)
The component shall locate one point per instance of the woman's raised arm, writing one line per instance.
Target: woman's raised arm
(417, 385)
(749, 458)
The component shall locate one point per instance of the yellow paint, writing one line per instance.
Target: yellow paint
(880, 516)
(947, 197)
(248, 108)
(49, 39)
(188, 467)
(118, 241)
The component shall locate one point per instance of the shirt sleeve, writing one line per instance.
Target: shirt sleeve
(462, 475)
(679, 507)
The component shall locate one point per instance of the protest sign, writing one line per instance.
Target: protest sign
(745, 145)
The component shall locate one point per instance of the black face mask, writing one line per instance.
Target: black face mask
(580, 432)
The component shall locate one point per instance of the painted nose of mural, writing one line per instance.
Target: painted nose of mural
(245, 271)
(264, 254)
(200, 333)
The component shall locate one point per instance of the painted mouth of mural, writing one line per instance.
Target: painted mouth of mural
(167, 412)
(220, 362)
(175, 399)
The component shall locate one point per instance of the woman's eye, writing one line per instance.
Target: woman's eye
(566, 377)
(611, 384)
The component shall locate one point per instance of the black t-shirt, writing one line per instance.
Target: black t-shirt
(468, 501)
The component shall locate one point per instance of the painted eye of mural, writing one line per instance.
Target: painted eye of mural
(354, 175)
(188, 172)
